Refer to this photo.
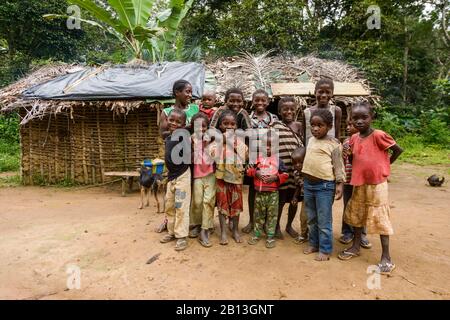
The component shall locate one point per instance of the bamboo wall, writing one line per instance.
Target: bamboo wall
(81, 149)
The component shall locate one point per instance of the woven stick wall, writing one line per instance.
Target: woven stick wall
(95, 140)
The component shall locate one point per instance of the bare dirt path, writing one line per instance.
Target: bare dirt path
(44, 230)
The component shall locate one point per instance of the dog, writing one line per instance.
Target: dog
(151, 183)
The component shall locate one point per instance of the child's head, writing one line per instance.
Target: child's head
(362, 115)
(200, 122)
(321, 122)
(182, 91)
(176, 120)
(287, 107)
(298, 156)
(350, 128)
(260, 100)
(270, 140)
(324, 92)
(209, 99)
(227, 121)
(234, 99)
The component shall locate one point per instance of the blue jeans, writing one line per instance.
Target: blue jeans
(319, 197)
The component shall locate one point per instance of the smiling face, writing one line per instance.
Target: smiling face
(228, 123)
(235, 102)
(184, 96)
(260, 101)
(361, 118)
(324, 93)
(287, 111)
(319, 128)
(175, 121)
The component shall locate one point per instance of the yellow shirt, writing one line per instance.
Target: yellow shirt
(229, 163)
(323, 159)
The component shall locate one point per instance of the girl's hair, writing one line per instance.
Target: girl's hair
(260, 91)
(200, 115)
(233, 90)
(179, 85)
(364, 104)
(224, 114)
(284, 100)
(322, 81)
(180, 113)
(325, 114)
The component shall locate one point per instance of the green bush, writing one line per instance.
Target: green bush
(437, 132)
(9, 143)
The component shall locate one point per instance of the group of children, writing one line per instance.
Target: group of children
(295, 162)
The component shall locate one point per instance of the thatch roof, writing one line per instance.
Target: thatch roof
(246, 72)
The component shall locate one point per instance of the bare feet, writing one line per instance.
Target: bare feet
(290, 231)
(322, 257)
(223, 238)
(141, 206)
(248, 228)
(309, 249)
(236, 236)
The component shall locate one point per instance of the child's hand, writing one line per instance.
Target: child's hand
(347, 151)
(258, 175)
(339, 190)
(271, 179)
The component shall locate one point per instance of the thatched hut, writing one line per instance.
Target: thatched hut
(72, 136)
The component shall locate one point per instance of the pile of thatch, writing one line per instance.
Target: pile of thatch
(249, 73)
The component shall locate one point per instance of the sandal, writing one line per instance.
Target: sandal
(194, 232)
(270, 243)
(167, 238)
(346, 238)
(365, 243)
(386, 268)
(206, 244)
(300, 240)
(181, 244)
(347, 255)
(253, 240)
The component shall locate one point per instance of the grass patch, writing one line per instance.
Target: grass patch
(10, 181)
(416, 151)
(9, 156)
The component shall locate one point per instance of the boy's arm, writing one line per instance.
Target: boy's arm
(294, 199)
(396, 152)
(337, 123)
(303, 128)
(163, 125)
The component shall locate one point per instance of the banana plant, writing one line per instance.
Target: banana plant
(135, 23)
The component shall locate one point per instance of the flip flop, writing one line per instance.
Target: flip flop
(204, 243)
(181, 244)
(300, 240)
(391, 267)
(347, 255)
(270, 243)
(365, 244)
(346, 239)
(167, 238)
(253, 240)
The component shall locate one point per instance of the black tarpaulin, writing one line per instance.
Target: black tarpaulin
(121, 82)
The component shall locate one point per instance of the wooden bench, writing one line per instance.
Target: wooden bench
(127, 176)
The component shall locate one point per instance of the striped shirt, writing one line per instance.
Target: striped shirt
(288, 142)
(347, 163)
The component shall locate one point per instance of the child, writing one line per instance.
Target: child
(209, 101)
(260, 119)
(268, 173)
(204, 185)
(234, 101)
(230, 159)
(369, 205)
(290, 138)
(324, 92)
(182, 91)
(298, 157)
(178, 195)
(347, 231)
(323, 172)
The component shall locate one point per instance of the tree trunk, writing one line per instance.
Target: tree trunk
(405, 63)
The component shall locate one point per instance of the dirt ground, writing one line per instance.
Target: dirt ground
(45, 230)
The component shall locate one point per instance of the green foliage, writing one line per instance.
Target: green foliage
(9, 143)
(416, 151)
(10, 181)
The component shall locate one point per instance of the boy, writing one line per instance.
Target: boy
(268, 173)
(323, 92)
(178, 195)
(208, 103)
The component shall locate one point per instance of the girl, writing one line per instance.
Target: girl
(204, 185)
(323, 92)
(323, 172)
(182, 91)
(370, 169)
(260, 119)
(290, 138)
(230, 156)
(234, 101)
